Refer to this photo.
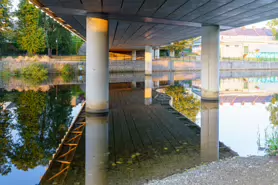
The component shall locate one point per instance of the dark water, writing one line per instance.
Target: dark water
(34, 119)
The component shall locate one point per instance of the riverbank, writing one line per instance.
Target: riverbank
(234, 171)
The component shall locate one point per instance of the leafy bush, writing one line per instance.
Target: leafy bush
(17, 73)
(35, 73)
(272, 144)
(5, 75)
(67, 73)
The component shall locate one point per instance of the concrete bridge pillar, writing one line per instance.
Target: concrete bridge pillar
(97, 71)
(133, 84)
(133, 55)
(156, 84)
(172, 54)
(96, 149)
(148, 89)
(148, 60)
(153, 53)
(171, 61)
(157, 53)
(209, 131)
(210, 62)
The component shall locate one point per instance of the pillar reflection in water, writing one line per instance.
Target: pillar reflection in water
(171, 78)
(96, 149)
(209, 131)
(148, 89)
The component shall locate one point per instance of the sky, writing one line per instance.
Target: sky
(257, 25)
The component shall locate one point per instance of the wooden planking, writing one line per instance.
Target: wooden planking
(186, 8)
(141, 31)
(131, 6)
(81, 19)
(121, 29)
(132, 29)
(112, 31)
(112, 6)
(168, 7)
(252, 14)
(149, 7)
(222, 10)
(240, 10)
(205, 8)
(92, 6)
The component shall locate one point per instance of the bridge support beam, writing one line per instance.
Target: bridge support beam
(209, 131)
(210, 62)
(157, 53)
(97, 71)
(133, 55)
(148, 60)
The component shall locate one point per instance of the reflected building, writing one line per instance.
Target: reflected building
(96, 149)
(209, 131)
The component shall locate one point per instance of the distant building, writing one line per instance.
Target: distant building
(245, 42)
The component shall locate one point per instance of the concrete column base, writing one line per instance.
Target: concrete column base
(209, 95)
(93, 110)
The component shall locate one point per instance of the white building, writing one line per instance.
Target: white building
(246, 43)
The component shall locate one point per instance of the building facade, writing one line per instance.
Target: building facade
(245, 43)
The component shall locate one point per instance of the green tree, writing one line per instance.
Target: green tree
(5, 23)
(273, 25)
(77, 44)
(31, 37)
(57, 37)
(181, 45)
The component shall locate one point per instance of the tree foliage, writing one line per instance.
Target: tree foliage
(31, 37)
(188, 105)
(41, 120)
(5, 23)
(273, 25)
(181, 45)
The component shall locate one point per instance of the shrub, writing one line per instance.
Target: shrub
(35, 73)
(17, 73)
(5, 75)
(67, 73)
(272, 143)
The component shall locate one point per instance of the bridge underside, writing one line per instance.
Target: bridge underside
(136, 23)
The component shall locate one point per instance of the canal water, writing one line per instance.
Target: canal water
(34, 119)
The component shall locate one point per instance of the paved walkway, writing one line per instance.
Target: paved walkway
(235, 171)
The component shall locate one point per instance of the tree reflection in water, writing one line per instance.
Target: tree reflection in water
(40, 120)
(186, 104)
(273, 109)
(271, 142)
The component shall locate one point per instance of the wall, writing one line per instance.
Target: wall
(139, 66)
(164, 65)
